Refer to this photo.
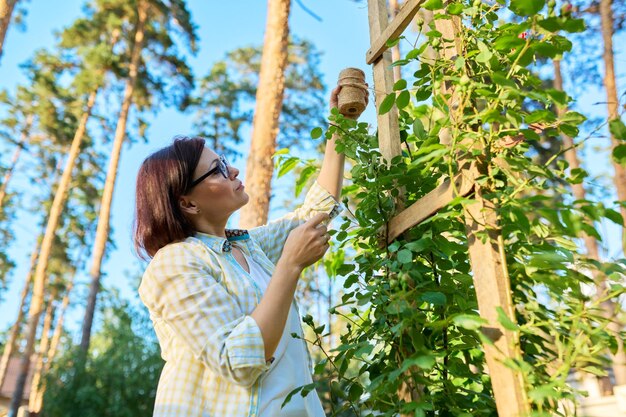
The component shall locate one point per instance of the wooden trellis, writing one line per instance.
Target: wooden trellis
(489, 268)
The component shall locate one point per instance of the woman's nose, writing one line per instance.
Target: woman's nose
(234, 172)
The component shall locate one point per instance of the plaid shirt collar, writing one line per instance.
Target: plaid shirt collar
(220, 244)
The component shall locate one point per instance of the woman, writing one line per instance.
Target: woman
(221, 300)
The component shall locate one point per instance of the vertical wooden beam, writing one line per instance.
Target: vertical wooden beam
(493, 290)
(388, 130)
(395, 51)
(451, 47)
(489, 268)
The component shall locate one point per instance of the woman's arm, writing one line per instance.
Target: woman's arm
(305, 245)
(331, 173)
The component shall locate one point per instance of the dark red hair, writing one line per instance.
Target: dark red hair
(163, 177)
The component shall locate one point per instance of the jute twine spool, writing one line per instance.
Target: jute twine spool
(351, 99)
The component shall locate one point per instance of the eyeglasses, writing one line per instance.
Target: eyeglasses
(222, 168)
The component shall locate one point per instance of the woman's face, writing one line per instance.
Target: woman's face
(215, 197)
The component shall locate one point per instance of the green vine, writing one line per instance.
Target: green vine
(410, 307)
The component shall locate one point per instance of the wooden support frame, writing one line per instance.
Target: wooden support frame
(388, 129)
(489, 268)
(432, 202)
(493, 291)
(393, 29)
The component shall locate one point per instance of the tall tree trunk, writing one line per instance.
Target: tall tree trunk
(395, 50)
(571, 157)
(6, 11)
(11, 343)
(102, 231)
(43, 351)
(606, 18)
(269, 99)
(54, 343)
(16, 155)
(40, 279)
(609, 307)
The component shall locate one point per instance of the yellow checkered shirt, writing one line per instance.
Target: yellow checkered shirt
(199, 300)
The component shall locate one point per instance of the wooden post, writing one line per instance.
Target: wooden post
(489, 270)
(493, 290)
(388, 129)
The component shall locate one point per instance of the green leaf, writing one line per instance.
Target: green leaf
(546, 49)
(551, 24)
(433, 4)
(355, 392)
(387, 103)
(530, 134)
(573, 117)
(392, 42)
(303, 179)
(403, 99)
(501, 79)
(399, 85)
(540, 116)
(574, 25)
(618, 129)
(504, 320)
(469, 321)
(424, 361)
(619, 154)
(287, 165)
(455, 8)
(577, 175)
(539, 394)
(345, 269)
(614, 216)
(320, 366)
(291, 394)
(434, 297)
(594, 370)
(507, 42)
(316, 132)
(419, 245)
(569, 130)
(400, 62)
(418, 129)
(559, 97)
(405, 256)
(421, 95)
(485, 53)
(526, 7)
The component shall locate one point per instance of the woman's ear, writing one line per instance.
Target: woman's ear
(187, 205)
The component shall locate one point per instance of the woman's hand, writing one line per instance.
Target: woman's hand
(334, 100)
(307, 243)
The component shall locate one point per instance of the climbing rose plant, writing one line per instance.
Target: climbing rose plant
(412, 317)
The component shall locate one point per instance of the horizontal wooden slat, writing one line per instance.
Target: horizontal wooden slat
(393, 30)
(431, 202)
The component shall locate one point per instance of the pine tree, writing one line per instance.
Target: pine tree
(153, 62)
(269, 98)
(6, 12)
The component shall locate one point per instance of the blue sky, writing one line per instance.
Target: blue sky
(342, 36)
